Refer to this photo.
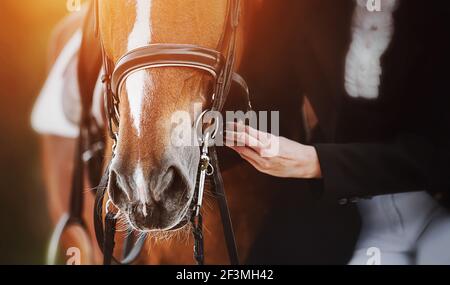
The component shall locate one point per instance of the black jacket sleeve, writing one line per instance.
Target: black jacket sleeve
(353, 171)
(417, 158)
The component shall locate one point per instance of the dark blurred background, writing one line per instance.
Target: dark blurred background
(25, 27)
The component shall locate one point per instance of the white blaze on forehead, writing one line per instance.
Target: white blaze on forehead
(136, 93)
(135, 84)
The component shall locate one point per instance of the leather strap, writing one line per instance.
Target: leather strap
(221, 197)
(170, 55)
(89, 65)
(76, 206)
(105, 232)
(166, 55)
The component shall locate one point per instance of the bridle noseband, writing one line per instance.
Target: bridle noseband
(169, 55)
(220, 64)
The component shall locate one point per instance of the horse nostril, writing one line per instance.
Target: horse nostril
(173, 185)
(117, 191)
(145, 216)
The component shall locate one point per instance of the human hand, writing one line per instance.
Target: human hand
(273, 155)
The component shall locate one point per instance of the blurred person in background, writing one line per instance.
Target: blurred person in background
(375, 79)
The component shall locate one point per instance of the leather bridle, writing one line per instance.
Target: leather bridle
(220, 64)
(178, 55)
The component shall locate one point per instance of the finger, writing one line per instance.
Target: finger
(263, 137)
(241, 139)
(244, 139)
(252, 157)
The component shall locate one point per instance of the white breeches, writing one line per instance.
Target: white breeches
(403, 229)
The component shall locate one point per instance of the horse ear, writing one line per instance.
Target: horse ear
(89, 59)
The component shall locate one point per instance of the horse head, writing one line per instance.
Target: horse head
(152, 178)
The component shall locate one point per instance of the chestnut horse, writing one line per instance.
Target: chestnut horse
(152, 181)
(146, 168)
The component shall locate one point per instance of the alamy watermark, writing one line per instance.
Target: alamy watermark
(73, 255)
(373, 5)
(73, 5)
(247, 129)
(374, 254)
